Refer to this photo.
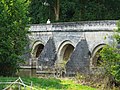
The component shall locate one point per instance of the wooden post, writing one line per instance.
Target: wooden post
(19, 86)
(31, 86)
(24, 87)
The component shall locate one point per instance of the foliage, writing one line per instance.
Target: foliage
(13, 21)
(49, 84)
(38, 11)
(73, 10)
(111, 59)
(69, 11)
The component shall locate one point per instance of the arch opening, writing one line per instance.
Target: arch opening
(38, 49)
(96, 58)
(66, 52)
(96, 62)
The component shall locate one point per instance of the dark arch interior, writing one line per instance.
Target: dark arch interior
(97, 58)
(67, 52)
(39, 49)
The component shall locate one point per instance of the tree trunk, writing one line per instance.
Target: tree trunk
(57, 10)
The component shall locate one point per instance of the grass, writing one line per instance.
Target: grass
(47, 83)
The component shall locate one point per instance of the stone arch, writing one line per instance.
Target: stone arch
(64, 52)
(37, 49)
(35, 53)
(95, 57)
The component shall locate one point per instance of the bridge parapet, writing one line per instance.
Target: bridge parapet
(83, 26)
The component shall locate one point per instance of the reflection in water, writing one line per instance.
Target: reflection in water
(27, 73)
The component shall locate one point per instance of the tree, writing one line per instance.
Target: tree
(13, 19)
(41, 10)
(111, 58)
(55, 5)
(69, 11)
(38, 11)
(73, 10)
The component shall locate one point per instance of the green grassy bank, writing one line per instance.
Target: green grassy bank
(46, 84)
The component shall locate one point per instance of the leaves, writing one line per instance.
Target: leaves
(13, 19)
(74, 10)
(111, 58)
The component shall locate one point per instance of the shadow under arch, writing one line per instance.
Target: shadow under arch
(64, 52)
(35, 53)
(95, 59)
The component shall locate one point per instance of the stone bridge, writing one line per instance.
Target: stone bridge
(68, 46)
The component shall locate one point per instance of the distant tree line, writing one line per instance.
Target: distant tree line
(73, 10)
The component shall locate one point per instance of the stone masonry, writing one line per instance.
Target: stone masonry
(71, 46)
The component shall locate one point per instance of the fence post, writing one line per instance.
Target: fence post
(19, 86)
(24, 87)
(31, 86)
